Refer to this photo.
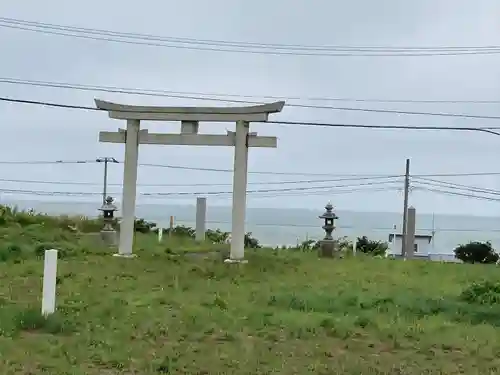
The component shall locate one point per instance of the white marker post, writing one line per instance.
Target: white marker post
(201, 218)
(160, 234)
(49, 282)
(354, 244)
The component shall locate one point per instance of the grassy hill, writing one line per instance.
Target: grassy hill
(285, 312)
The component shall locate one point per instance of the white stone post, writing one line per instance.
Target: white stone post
(237, 253)
(201, 217)
(354, 245)
(160, 234)
(49, 282)
(129, 188)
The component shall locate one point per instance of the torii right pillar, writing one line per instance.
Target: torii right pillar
(240, 176)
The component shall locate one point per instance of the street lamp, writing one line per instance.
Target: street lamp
(105, 160)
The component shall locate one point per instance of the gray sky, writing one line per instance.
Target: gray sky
(38, 133)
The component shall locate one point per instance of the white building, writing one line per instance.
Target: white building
(423, 248)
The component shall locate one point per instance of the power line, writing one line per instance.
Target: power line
(439, 191)
(245, 43)
(450, 185)
(336, 176)
(38, 162)
(315, 189)
(276, 193)
(44, 182)
(419, 180)
(49, 104)
(302, 188)
(387, 127)
(217, 96)
(224, 46)
(205, 97)
(305, 123)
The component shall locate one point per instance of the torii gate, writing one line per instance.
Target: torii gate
(189, 117)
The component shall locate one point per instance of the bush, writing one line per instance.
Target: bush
(217, 236)
(371, 247)
(181, 231)
(476, 252)
(251, 242)
(484, 293)
(143, 226)
(308, 245)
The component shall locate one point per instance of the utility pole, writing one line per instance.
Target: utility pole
(405, 208)
(105, 160)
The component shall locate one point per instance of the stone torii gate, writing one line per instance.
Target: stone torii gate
(189, 117)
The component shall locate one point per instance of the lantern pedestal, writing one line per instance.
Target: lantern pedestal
(327, 249)
(109, 237)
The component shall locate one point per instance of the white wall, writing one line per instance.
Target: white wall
(424, 247)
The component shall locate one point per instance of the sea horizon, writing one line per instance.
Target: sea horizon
(289, 226)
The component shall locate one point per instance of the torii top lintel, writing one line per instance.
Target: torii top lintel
(259, 113)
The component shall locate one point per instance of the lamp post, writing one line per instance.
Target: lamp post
(105, 160)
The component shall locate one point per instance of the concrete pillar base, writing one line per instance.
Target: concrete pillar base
(235, 261)
(118, 255)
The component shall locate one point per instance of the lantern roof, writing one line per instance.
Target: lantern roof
(329, 214)
(108, 205)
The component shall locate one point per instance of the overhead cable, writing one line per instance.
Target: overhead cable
(226, 46)
(204, 97)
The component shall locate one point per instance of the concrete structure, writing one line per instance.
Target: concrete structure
(189, 117)
(201, 218)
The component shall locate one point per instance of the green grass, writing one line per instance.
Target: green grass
(285, 312)
(282, 313)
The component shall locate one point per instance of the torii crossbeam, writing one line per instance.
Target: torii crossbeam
(189, 117)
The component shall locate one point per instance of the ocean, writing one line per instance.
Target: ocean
(284, 226)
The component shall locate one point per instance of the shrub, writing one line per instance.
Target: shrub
(217, 236)
(484, 293)
(251, 242)
(308, 245)
(10, 251)
(181, 231)
(343, 244)
(476, 252)
(371, 247)
(143, 226)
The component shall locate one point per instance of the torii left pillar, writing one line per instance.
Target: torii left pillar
(129, 188)
(189, 117)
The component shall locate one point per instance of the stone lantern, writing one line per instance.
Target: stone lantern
(327, 244)
(108, 233)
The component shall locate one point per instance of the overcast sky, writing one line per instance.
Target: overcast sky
(39, 133)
